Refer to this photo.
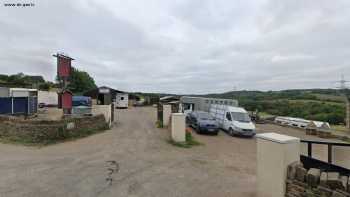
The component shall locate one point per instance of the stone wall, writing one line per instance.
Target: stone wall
(49, 131)
(315, 182)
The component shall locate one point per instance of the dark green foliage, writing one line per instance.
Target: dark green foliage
(44, 86)
(25, 81)
(80, 81)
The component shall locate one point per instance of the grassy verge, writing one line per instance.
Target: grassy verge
(190, 141)
(345, 139)
(340, 128)
(159, 124)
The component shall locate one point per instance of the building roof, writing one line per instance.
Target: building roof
(95, 92)
(62, 55)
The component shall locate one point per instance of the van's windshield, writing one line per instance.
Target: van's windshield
(240, 117)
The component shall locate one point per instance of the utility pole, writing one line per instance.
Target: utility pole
(347, 121)
(343, 90)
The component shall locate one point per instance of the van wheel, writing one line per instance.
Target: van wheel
(230, 131)
(198, 130)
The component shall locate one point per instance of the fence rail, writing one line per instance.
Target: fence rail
(310, 162)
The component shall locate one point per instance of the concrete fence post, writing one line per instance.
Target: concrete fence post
(274, 153)
(178, 127)
(166, 114)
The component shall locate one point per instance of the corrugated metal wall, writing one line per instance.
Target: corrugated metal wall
(5, 105)
(18, 105)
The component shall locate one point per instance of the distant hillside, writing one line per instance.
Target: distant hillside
(314, 104)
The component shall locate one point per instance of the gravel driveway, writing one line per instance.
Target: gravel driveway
(148, 165)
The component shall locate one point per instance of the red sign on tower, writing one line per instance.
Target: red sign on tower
(64, 68)
(64, 65)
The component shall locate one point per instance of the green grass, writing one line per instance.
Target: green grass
(327, 97)
(159, 124)
(190, 141)
(340, 128)
(265, 115)
(316, 101)
(345, 139)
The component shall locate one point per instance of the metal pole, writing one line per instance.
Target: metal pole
(309, 149)
(347, 121)
(329, 153)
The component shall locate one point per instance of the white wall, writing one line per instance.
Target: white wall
(105, 110)
(48, 97)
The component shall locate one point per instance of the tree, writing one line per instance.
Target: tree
(44, 86)
(80, 81)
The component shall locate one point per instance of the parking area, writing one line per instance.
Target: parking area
(148, 164)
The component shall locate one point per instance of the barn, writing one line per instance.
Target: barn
(103, 95)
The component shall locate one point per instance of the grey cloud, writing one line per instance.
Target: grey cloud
(183, 46)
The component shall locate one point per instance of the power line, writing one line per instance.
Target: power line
(342, 82)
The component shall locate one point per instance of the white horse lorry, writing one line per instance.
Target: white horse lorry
(234, 120)
(190, 103)
(231, 118)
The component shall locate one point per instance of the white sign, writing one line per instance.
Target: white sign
(103, 91)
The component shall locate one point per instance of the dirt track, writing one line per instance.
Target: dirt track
(149, 166)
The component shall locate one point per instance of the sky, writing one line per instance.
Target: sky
(182, 46)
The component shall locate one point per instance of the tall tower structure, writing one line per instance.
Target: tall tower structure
(64, 69)
(343, 88)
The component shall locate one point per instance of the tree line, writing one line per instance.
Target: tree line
(80, 81)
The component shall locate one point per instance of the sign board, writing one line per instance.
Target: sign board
(104, 91)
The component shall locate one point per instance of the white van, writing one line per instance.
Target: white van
(122, 100)
(234, 120)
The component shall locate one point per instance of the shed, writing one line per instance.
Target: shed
(103, 95)
(67, 99)
(17, 92)
(18, 101)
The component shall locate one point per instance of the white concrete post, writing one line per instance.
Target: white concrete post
(274, 153)
(178, 127)
(166, 114)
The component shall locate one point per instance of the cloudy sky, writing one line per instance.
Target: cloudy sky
(182, 46)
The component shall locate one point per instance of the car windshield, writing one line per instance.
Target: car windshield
(205, 116)
(240, 117)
